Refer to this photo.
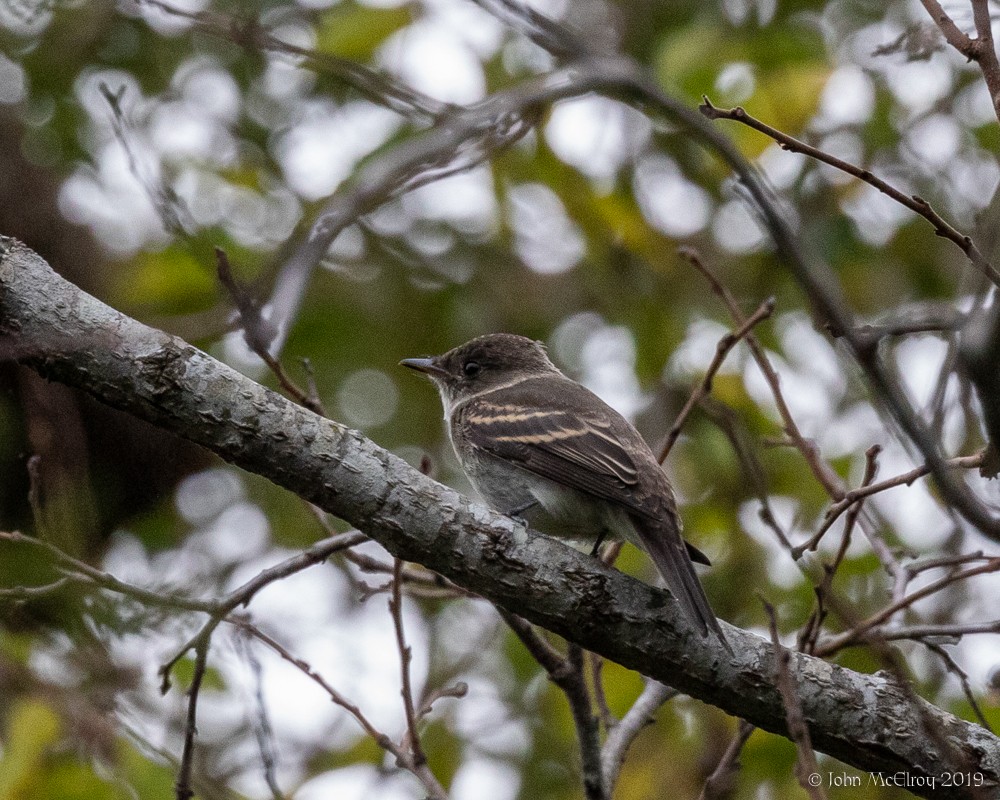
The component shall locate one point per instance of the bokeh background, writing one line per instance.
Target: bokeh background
(133, 142)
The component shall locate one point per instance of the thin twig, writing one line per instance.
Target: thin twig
(951, 632)
(916, 204)
(600, 697)
(259, 333)
(719, 784)
(405, 657)
(806, 766)
(704, 387)
(963, 678)
(807, 640)
(568, 674)
(402, 757)
(378, 87)
(624, 732)
(858, 630)
(828, 479)
(984, 52)
(857, 495)
(182, 789)
(260, 721)
(954, 35)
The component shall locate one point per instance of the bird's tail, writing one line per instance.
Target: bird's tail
(670, 554)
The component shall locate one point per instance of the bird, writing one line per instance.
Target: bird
(543, 448)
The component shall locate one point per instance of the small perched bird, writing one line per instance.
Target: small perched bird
(537, 444)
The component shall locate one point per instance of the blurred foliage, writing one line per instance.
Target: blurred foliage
(225, 128)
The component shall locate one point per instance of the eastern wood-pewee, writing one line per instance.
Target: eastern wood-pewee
(536, 444)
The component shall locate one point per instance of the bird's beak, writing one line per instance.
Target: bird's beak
(428, 366)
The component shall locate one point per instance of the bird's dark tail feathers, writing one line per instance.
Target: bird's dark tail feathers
(670, 554)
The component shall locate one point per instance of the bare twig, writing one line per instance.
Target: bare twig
(855, 496)
(378, 87)
(259, 333)
(858, 630)
(916, 204)
(704, 387)
(568, 674)
(546, 33)
(173, 215)
(405, 657)
(401, 756)
(182, 789)
(963, 678)
(624, 732)
(807, 447)
(984, 52)
(719, 784)
(807, 640)
(945, 632)
(259, 719)
(954, 35)
(806, 766)
(596, 664)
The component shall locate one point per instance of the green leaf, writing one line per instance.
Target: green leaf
(354, 32)
(32, 729)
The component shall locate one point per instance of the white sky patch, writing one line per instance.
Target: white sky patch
(97, 199)
(326, 144)
(303, 605)
(910, 510)
(180, 130)
(545, 237)
(368, 398)
(435, 61)
(202, 496)
(875, 216)
(810, 352)
(166, 23)
(920, 84)
(919, 360)
(358, 782)
(13, 81)
(242, 531)
(210, 89)
(567, 341)
(781, 167)
(853, 430)
(736, 82)
(608, 370)
(973, 106)
(479, 30)
(736, 230)
(596, 135)
(695, 352)
(975, 176)
(848, 98)
(484, 719)
(935, 140)
(669, 201)
(481, 777)
(808, 400)
(466, 200)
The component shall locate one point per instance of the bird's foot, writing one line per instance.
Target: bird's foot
(515, 513)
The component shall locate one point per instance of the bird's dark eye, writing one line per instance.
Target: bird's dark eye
(472, 369)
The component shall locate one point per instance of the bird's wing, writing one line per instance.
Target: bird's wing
(574, 446)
